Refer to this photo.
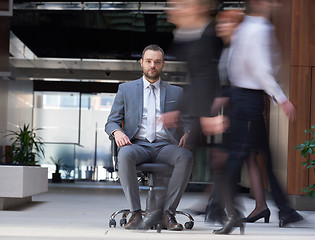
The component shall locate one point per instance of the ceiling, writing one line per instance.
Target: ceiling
(96, 41)
(90, 30)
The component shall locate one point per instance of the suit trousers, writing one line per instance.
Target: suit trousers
(159, 151)
(249, 133)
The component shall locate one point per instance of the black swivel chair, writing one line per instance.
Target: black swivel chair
(146, 170)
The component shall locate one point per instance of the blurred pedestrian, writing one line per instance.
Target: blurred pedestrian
(252, 74)
(196, 43)
(227, 22)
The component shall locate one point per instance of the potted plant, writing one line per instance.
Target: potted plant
(20, 179)
(307, 149)
(56, 176)
(25, 146)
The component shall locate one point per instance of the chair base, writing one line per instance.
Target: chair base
(125, 212)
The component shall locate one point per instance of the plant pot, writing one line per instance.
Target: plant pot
(19, 183)
(56, 177)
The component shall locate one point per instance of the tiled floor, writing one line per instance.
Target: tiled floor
(81, 211)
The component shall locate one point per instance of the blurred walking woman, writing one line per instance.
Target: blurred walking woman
(251, 74)
(227, 22)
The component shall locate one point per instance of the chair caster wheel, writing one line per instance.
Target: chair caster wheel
(112, 222)
(123, 222)
(189, 225)
(281, 223)
(158, 228)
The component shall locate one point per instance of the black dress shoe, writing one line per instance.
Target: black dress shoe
(290, 218)
(151, 219)
(232, 223)
(263, 214)
(134, 220)
(170, 223)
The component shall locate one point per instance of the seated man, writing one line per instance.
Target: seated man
(139, 105)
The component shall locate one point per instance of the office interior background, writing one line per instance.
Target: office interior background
(61, 64)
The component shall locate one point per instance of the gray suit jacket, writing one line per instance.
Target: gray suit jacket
(128, 107)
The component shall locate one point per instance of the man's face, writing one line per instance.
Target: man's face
(225, 27)
(185, 13)
(152, 64)
(264, 7)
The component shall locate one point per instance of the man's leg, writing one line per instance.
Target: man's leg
(182, 160)
(215, 208)
(128, 157)
(278, 195)
(286, 213)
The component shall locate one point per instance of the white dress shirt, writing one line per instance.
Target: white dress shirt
(252, 58)
(160, 131)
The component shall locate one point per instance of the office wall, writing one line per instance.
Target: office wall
(3, 112)
(294, 23)
(20, 103)
(4, 46)
(302, 90)
(278, 123)
(4, 72)
(16, 106)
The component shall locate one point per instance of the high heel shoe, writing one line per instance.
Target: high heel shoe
(263, 214)
(232, 223)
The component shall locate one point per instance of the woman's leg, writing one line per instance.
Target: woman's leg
(256, 184)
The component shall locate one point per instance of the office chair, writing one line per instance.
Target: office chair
(145, 170)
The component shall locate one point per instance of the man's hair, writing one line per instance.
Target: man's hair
(153, 47)
(248, 9)
(247, 6)
(214, 6)
(233, 15)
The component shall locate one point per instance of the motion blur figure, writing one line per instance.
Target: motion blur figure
(251, 72)
(226, 23)
(196, 43)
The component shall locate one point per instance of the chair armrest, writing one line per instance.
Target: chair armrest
(114, 152)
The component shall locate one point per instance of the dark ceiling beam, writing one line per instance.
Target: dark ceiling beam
(82, 87)
(96, 6)
(142, 5)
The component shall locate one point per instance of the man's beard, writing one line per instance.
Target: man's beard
(154, 76)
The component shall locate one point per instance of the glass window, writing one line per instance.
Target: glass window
(74, 135)
(96, 150)
(57, 114)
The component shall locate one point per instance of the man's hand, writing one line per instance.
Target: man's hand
(183, 140)
(121, 138)
(214, 125)
(218, 103)
(170, 119)
(289, 110)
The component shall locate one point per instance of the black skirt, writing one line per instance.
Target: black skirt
(247, 119)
